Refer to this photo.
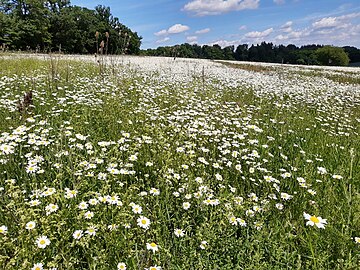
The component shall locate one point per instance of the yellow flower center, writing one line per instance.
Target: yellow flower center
(143, 221)
(42, 242)
(37, 268)
(314, 219)
(153, 244)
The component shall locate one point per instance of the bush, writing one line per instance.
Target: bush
(332, 56)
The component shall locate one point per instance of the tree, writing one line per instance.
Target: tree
(55, 25)
(332, 56)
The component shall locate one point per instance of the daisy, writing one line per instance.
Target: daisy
(3, 229)
(83, 205)
(154, 192)
(186, 205)
(357, 240)
(317, 221)
(203, 244)
(121, 266)
(91, 231)
(179, 232)
(152, 246)
(78, 234)
(51, 208)
(137, 209)
(37, 266)
(143, 222)
(89, 215)
(30, 225)
(42, 241)
(153, 268)
(34, 203)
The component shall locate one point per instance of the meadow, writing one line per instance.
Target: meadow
(155, 163)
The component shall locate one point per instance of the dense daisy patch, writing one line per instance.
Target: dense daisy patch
(155, 163)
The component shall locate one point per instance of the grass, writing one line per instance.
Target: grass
(137, 140)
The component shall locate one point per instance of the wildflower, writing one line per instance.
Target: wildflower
(30, 225)
(322, 170)
(153, 268)
(121, 266)
(83, 205)
(89, 215)
(179, 232)
(93, 201)
(203, 244)
(186, 205)
(3, 229)
(258, 225)
(357, 240)
(34, 203)
(154, 191)
(78, 234)
(70, 193)
(137, 209)
(42, 241)
(143, 222)
(49, 192)
(285, 196)
(113, 227)
(152, 246)
(317, 221)
(242, 222)
(37, 266)
(91, 231)
(233, 220)
(51, 208)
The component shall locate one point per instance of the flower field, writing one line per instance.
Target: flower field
(156, 163)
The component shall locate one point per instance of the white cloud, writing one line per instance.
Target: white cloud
(191, 38)
(163, 40)
(178, 28)
(224, 43)
(257, 34)
(216, 7)
(279, 2)
(161, 33)
(331, 22)
(203, 31)
(287, 27)
(326, 23)
(338, 31)
(175, 29)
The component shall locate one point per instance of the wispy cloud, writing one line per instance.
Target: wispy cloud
(203, 31)
(216, 7)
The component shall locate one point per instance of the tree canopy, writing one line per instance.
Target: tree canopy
(333, 56)
(56, 25)
(263, 52)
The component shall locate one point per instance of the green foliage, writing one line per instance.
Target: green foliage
(58, 26)
(263, 52)
(332, 56)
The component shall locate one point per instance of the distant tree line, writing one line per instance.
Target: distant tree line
(56, 25)
(264, 52)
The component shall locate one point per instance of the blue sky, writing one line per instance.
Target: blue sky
(233, 22)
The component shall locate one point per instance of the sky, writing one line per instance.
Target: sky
(234, 22)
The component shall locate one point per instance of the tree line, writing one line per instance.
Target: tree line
(56, 25)
(264, 52)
